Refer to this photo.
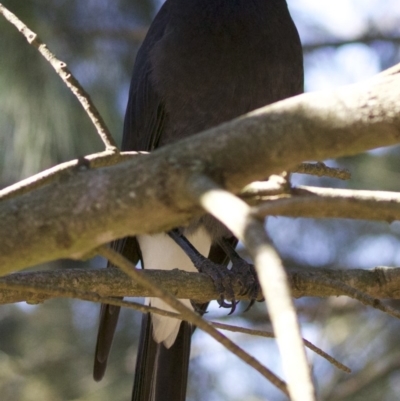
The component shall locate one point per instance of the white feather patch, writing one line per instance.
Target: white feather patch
(159, 251)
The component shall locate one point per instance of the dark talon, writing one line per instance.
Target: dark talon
(232, 305)
(222, 279)
(244, 272)
(223, 304)
(251, 303)
(247, 278)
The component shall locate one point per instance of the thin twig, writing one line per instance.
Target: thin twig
(322, 170)
(95, 160)
(236, 215)
(269, 334)
(360, 296)
(314, 202)
(367, 38)
(129, 269)
(65, 74)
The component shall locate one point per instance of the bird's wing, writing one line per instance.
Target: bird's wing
(145, 115)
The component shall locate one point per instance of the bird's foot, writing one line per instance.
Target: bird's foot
(246, 277)
(223, 280)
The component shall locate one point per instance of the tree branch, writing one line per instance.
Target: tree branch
(56, 173)
(313, 202)
(381, 282)
(367, 39)
(322, 170)
(38, 292)
(93, 207)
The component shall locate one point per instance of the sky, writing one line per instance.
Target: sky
(342, 20)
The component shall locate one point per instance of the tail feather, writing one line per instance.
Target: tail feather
(145, 362)
(108, 322)
(109, 314)
(161, 373)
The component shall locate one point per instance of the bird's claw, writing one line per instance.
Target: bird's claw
(223, 281)
(246, 277)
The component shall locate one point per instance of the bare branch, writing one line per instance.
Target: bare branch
(268, 334)
(381, 282)
(316, 202)
(96, 160)
(367, 39)
(322, 170)
(39, 292)
(362, 297)
(65, 74)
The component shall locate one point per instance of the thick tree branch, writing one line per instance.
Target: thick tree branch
(110, 158)
(89, 208)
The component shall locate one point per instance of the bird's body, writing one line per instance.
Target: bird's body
(203, 62)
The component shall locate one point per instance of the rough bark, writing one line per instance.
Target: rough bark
(382, 283)
(69, 218)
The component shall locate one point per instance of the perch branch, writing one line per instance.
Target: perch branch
(381, 282)
(38, 293)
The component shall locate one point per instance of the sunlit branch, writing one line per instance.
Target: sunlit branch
(96, 160)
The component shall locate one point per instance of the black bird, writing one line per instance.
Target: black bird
(203, 62)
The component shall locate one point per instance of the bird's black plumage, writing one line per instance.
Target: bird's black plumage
(203, 62)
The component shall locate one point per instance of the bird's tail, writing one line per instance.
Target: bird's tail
(109, 314)
(161, 373)
(108, 322)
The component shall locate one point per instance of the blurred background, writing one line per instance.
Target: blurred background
(46, 351)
